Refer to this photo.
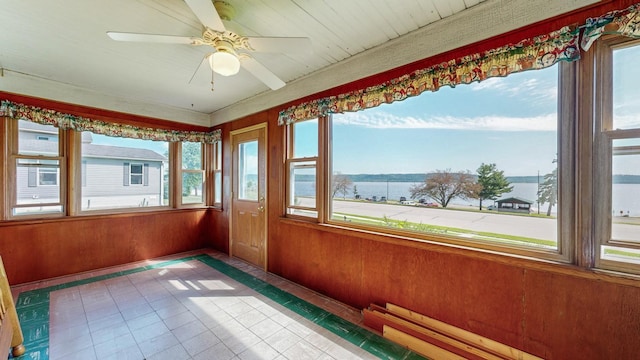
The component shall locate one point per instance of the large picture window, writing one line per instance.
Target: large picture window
(123, 173)
(477, 162)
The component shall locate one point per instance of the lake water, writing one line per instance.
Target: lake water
(626, 197)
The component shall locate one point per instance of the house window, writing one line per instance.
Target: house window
(192, 173)
(617, 189)
(48, 176)
(303, 182)
(437, 166)
(136, 174)
(121, 173)
(37, 168)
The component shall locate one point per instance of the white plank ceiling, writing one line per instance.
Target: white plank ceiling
(60, 50)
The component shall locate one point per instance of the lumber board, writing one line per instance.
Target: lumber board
(444, 341)
(421, 347)
(461, 334)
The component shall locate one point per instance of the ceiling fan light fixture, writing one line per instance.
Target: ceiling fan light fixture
(224, 63)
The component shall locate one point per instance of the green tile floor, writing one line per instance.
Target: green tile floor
(33, 312)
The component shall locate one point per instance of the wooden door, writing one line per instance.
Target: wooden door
(248, 209)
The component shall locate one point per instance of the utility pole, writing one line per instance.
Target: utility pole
(538, 192)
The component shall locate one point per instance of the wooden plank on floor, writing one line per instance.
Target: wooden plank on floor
(453, 345)
(421, 347)
(468, 337)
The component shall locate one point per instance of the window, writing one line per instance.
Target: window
(192, 173)
(136, 174)
(217, 174)
(617, 187)
(47, 176)
(477, 164)
(302, 165)
(37, 167)
(119, 173)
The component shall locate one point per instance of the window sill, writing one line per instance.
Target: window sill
(93, 216)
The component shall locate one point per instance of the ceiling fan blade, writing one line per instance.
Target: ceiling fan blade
(262, 73)
(206, 13)
(299, 45)
(152, 38)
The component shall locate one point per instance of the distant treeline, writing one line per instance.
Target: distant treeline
(417, 178)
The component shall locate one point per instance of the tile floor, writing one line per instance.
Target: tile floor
(200, 305)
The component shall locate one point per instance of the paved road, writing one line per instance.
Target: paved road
(486, 221)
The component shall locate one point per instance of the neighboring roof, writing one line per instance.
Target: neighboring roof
(95, 151)
(515, 200)
(35, 127)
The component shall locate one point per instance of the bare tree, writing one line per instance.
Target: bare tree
(340, 183)
(444, 185)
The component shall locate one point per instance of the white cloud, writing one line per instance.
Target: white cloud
(382, 120)
(533, 89)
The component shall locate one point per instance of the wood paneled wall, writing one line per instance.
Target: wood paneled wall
(555, 311)
(39, 250)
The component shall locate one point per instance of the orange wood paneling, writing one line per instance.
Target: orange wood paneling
(39, 250)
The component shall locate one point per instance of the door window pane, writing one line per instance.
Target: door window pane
(248, 171)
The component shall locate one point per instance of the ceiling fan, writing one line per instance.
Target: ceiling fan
(231, 50)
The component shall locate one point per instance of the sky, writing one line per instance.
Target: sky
(507, 121)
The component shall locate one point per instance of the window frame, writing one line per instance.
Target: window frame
(604, 136)
(567, 130)
(132, 174)
(216, 174)
(320, 164)
(178, 188)
(12, 129)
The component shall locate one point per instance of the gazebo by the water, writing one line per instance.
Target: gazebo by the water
(514, 204)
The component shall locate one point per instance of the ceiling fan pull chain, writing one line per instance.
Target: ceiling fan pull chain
(211, 80)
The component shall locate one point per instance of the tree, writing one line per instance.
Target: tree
(444, 185)
(492, 183)
(548, 192)
(340, 183)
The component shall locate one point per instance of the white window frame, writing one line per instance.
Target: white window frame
(132, 174)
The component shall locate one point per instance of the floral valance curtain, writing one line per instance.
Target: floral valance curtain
(535, 53)
(623, 22)
(78, 123)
